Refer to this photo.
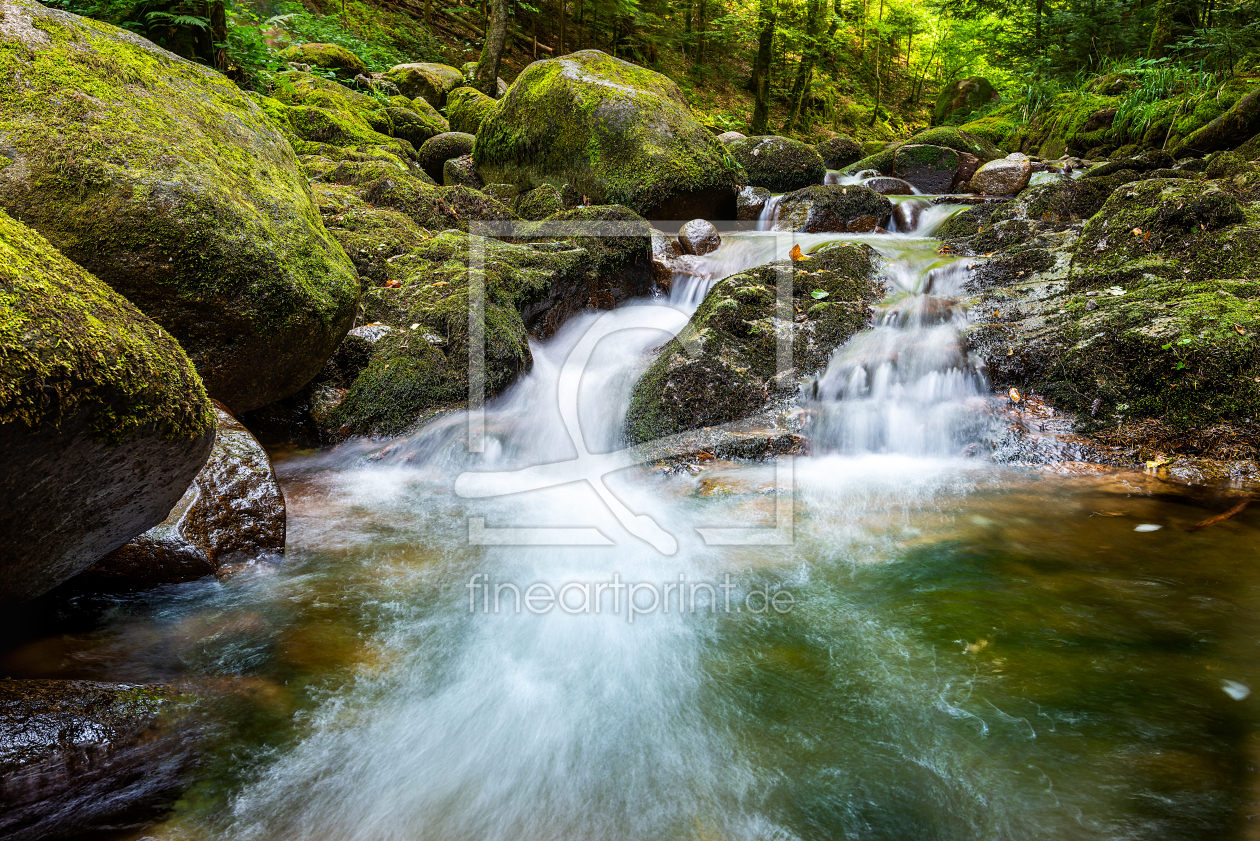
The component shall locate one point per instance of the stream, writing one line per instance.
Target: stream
(938, 646)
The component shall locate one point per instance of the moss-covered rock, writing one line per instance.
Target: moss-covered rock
(1155, 320)
(1233, 128)
(436, 208)
(839, 152)
(779, 164)
(441, 148)
(103, 421)
(722, 365)
(428, 81)
(614, 132)
(933, 169)
(460, 172)
(466, 108)
(332, 57)
(540, 202)
(370, 235)
(413, 126)
(313, 110)
(946, 137)
(958, 100)
(832, 207)
(168, 183)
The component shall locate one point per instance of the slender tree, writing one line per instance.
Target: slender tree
(809, 55)
(766, 19)
(496, 34)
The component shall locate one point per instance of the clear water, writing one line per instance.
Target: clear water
(969, 651)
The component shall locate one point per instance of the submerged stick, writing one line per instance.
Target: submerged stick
(1211, 521)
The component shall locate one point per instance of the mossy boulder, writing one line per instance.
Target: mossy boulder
(540, 202)
(441, 148)
(413, 126)
(426, 80)
(371, 235)
(932, 169)
(103, 421)
(417, 371)
(1233, 128)
(839, 152)
(311, 110)
(466, 108)
(460, 172)
(779, 164)
(614, 132)
(167, 182)
(832, 207)
(722, 365)
(436, 208)
(958, 100)
(332, 57)
(946, 137)
(1155, 320)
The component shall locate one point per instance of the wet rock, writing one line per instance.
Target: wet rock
(459, 172)
(947, 137)
(232, 515)
(839, 152)
(722, 365)
(79, 756)
(905, 215)
(540, 202)
(338, 59)
(730, 136)
(665, 251)
(428, 81)
(466, 108)
(779, 164)
(441, 148)
(103, 421)
(959, 99)
(1003, 177)
(197, 211)
(888, 186)
(750, 202)
(832, 207)
(931, 169)
(1144, 162)
(698, 237)
(616, 133)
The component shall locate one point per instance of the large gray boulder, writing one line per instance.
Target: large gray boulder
(170, 184)
(103, 422)
(614, 132)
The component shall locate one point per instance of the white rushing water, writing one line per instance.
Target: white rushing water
(490, 723)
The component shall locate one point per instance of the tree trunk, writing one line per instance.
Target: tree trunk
(218, 34)
(809, 57)
(761, 68)
(1162, 34)
(496, 35)
(704, 25)
(560, 43)
(879, 80)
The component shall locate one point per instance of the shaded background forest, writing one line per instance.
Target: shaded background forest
(871, 69)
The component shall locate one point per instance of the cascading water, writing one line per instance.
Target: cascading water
(923, 685)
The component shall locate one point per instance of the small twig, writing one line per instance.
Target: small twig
(1211, 521)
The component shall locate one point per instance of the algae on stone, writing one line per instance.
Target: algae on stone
(168, 183)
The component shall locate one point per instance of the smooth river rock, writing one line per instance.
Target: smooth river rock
(1003, 177)
(231, 515)
(698, 237)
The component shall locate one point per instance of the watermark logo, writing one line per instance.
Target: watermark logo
(588, 467)
(631, 599)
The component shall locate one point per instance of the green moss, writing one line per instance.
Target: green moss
(436, 208)
(616, 133)
(466, 108)
(168, 183)
(728, 373)
(346, 64)
(72, 347)
(779, 164)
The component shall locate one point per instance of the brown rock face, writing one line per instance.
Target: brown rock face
(232, 514)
